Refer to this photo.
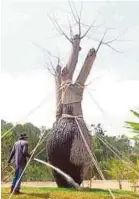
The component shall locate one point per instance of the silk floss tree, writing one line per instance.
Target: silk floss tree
(66, 148)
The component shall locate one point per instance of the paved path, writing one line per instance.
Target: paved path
(112, 184)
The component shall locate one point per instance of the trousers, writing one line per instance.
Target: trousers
(16, 183)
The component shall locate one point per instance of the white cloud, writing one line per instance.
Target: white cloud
(22, 94)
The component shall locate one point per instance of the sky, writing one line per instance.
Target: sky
(27, 84)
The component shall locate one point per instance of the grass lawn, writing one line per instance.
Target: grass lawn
(58, 193)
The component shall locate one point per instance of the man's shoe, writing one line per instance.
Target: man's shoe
(11, 190)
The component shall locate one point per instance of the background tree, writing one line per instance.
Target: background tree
(35, 171)
(117, 170)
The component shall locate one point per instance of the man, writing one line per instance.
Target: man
(19, 153)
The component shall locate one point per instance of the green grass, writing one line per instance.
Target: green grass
(59, 193)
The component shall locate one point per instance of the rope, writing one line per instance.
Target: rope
(26, 116)
(89, 151)
(31, 112)
(5, 179)
(93, 159)
(40, 151)
(71, 116)
(98, 106)
(77, 117)
(115, 149)
(128, 163)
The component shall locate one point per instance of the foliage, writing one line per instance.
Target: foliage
(133, 175)
(39, 172)
(101, 145)
(134, 126)
(34, 171)
(117, 169)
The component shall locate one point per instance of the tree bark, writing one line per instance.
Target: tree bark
(68, 71)
(86, 68)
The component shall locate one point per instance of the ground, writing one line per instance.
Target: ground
(57, 193)
(48, 190)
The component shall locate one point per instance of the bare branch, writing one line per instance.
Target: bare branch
(107, 43)
(116, 38)
(101, 41)
(58, 27)
(88, 30)
(72, 11)
(49, 69)
(76, 17)
(71, 32)
(53, 66)
(47, 65)
(46, 51)
(93, 26)
(81, 10)
(112, 47)
(79, 27)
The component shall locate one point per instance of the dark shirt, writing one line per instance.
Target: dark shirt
(19, 153)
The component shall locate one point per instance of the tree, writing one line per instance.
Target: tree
(67, 142)
(133, 175)
(67, 147)
(117, 170)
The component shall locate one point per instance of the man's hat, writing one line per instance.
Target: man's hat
(23, 135)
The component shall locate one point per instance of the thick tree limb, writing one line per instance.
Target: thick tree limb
(68, 71)
(86, 68)
(58, 92)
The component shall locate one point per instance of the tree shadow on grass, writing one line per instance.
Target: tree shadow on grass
(117, 192)
(38, 195)
(26, 195)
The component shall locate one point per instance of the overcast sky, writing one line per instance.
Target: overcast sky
(114, 77)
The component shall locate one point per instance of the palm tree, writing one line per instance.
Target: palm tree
(134, 126)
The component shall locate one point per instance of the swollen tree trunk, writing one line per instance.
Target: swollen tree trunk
(66, 149)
